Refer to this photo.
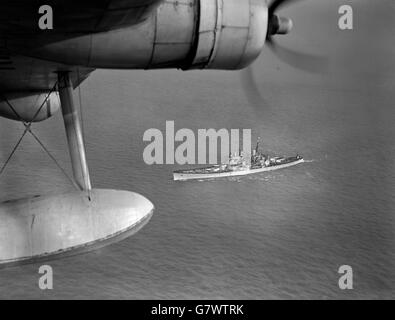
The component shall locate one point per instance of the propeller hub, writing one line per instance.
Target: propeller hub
(279, 25)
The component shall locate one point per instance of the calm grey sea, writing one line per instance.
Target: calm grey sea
(277, 235)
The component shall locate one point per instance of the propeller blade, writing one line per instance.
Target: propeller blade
(251, 90)
(304, 61)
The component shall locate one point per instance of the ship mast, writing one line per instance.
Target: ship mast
(257, 145)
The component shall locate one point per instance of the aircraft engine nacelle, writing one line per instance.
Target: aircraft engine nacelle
(185, 34)
(24, 106)
(230, 33)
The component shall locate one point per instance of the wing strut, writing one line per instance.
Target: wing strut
(74, 133)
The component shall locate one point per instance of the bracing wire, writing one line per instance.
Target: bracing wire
(12, 153)
(28, 129)
(54, 160)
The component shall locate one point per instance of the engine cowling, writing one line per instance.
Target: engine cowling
(231, 33)
(185, 34)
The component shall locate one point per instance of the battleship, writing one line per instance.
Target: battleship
(239, 165)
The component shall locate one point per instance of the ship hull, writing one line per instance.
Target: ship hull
(180, 176)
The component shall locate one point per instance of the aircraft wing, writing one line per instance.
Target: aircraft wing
(73, 16)
(28, 74)
(19, 22)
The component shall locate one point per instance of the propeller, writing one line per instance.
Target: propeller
(250, 87)
(278, 25)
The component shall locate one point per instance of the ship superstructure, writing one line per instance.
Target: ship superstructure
(240, 164)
